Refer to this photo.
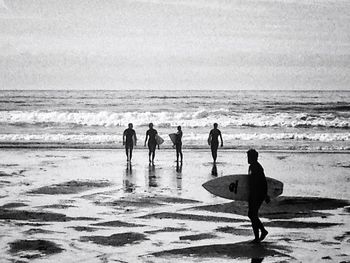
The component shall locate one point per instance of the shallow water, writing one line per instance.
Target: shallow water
(294, 120)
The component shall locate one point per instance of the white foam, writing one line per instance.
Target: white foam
(200, 118)
(191, 137)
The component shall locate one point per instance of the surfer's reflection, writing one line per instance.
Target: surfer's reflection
(179, 176)
(129, 169)
(128, 180)
(152, 178)
(214, 170)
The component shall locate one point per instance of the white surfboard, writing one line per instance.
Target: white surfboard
(235, 187)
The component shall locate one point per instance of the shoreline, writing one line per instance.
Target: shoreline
(63, 146)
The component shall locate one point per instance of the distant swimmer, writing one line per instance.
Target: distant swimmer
(152, 143)
(178, 144)
(213, 141)
(129, 140)
(257, 194)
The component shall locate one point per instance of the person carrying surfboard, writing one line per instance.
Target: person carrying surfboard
(152, 142)
(257, 194)
(129, 140)
(213, 141)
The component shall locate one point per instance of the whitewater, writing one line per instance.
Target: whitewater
(278, 120)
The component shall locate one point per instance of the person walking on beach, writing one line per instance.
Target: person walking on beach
(129, 139)
(257, 194)
(178, 144)
(152, 143)
(213, 141)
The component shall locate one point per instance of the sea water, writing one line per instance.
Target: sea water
(271, 120)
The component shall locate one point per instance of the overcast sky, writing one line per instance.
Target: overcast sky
(175, 44)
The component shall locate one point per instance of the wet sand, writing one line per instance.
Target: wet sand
(89, 205)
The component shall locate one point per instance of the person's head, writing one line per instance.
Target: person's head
(179, 128)
(130, 125)
(150, 125)
(252, 156)
(215, 125)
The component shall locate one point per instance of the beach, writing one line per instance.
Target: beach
(88, 205)
(273, 75)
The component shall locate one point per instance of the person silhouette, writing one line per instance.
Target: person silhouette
(152, 143)
(257, 194)
(129, 139)
(213, 141)
(178, 144)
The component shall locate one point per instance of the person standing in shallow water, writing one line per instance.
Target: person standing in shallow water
(213, 141)
(257, 194)
(152, 143)
(129, 139)
(178, 144)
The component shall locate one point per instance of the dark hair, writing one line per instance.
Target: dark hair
(179, 127)
(215, 124)
(253, 153)
(150, 124)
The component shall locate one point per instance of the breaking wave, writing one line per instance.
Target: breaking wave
(199, 118)
(188, 138)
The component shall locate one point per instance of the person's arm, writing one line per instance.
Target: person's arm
(124, 138)
(222, 142)
(209, 138)
(146, 138)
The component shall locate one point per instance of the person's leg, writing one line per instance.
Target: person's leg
(180, 151)
(177, 152)
(181, 156)
(253, 216)
(259, 224)
(126, 152)
(131, 148)
(153, 151)
(153, 154)
(214, 151)
(149, 152)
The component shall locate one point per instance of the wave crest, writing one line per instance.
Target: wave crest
(200, 118)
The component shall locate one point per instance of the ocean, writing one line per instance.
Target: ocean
(265, 120)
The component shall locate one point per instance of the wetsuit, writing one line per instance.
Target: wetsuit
(129, 133)
(215, 133)
(152, 143)
(214, 144)
(257, 194)
(178, 141)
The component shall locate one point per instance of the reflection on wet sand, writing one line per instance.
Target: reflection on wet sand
(214, 170)
(129, 180)
(179, 177)
(152, 178)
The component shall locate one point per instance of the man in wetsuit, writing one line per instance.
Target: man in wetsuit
(129, 139)
(152, 143)
(257, 194)
(213, 141)
(178, 144)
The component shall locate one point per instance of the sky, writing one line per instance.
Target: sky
(175, 44)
